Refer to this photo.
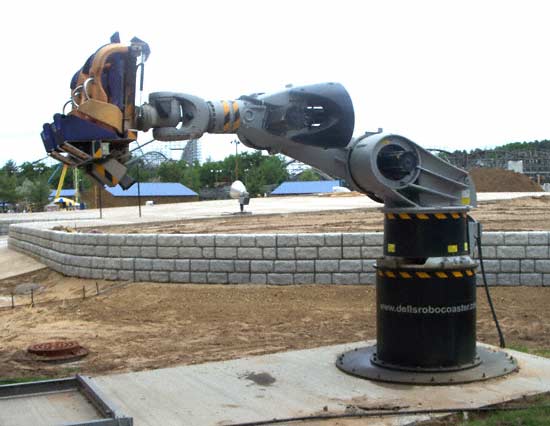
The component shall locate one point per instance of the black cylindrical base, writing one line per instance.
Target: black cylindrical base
(426, 319)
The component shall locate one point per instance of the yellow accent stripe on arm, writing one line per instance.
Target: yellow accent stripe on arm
(226, 123)
(422, 275)
(422, 216)
(457, 274)
(236, 116)
(405, 274)
(405, 216)
(390, 216)
(390, 274)
(441, 275)
(440, 216)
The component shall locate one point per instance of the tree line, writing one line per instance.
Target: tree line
(28, 186)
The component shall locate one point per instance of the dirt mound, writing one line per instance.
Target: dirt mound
(500, 180)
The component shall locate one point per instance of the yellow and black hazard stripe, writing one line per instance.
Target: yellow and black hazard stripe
(426, 216)
(99, 170)
(236, 116)
(226, 116)
(423, 275)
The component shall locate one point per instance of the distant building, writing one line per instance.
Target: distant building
(68, 193)
(192, 152)
(306, 187)
(158, 192)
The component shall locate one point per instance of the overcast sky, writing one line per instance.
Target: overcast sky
(451, 75)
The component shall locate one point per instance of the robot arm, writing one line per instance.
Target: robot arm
(313, 124)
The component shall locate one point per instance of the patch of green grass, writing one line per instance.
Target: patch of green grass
(22, 380)
(538, 351)
(534, 416)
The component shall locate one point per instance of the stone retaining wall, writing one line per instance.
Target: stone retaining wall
(512, 258)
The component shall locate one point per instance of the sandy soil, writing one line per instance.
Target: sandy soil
(145, 326)
(521, 214)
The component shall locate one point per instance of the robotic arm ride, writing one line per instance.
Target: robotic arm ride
(426, 284)
(313, 124)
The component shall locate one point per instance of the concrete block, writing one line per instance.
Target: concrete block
(222, 266)
(238, 278)
(160, 276)
(169, 252)
(304, 278)
(493, 266)
(112, 263)
(489, 252)
(217, 277)
(351, 252)
(108, 274)
(367, 278)
(282, 266)
(287, 240)
(373, 252)
(183, 265)
(311, 240)
(242, 266)
(204, 240)
(546, 279)
(527, 265)
(510, 252)
(536, 252)
(176, 240)
(199, 265)
(531, 279)
(130, 251)
(179, 277)
(508, 279)
(538, 238)
(226, 252)
(374, 239)
(144, 264)
(306, 253)
(280, 279)
(249, 253)
(148, 251)
(351, 266)
(189, 252)
(326, 265)
(267, 240)
(353, 239)
(127, 263)
(368, 265)
(97, 274)
(261, 266)
(258, 278)
(198, 277)
(492, 238)
(542, 266)
(114, 251)
(516, 238)
(116, 239)
(323, 278)
(305, 266)
(491, 279)
(333, 239)
(330, 252)
(350, 278)
(126, 275)
(228, 240)
(141, 239)
(209, 252)
(98, 262)
(163, 265)
(248, 241)
(286, 253)
(269, 253)
(509, 266)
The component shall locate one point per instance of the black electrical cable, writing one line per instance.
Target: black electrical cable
(480, 254)
(385, 413)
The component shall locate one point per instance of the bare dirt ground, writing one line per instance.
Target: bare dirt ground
(144, 326)
(521, 214)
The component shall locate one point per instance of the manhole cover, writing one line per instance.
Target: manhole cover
(57, 351)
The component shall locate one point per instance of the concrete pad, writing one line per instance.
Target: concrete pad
(13, 263)
(297, 383)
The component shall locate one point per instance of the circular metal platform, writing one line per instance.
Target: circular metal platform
(57, 351)
(492, 363)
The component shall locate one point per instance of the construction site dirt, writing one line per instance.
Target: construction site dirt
(138, 326)
(521, 214)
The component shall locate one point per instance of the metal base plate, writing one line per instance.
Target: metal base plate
(493, 364)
